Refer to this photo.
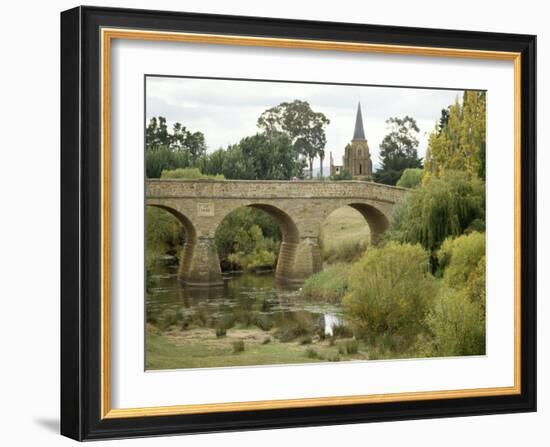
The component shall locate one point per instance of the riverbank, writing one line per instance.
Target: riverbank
(200, 348)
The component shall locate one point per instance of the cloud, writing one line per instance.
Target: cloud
(227, 110)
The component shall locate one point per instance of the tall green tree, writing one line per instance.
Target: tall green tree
(459, 138)
(398, 150)
(179, 139)
(304, 127)
(261, 157)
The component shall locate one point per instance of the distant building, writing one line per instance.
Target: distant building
(356, 160)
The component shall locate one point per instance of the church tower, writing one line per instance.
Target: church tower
(356, 158)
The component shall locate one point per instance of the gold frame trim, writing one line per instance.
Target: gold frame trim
(107, 35)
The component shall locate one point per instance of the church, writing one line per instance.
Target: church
(356, 160)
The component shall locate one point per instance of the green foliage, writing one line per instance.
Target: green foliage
(410, 178)
(328, 285)
(344, 251)
(457, 325)
(261, 157)
(457, 321)
(459, 258)
(249, 238)
(301, 325)
(304, 128)
(391, 291)
(221, 331)
(442, 207)
(398, 150)
(179, 139)
(162, 159)
(188, 174)
(164, 234)
(349, 347)
(459, 139)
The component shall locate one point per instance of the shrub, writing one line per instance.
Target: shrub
(305, 340)
(459, 257)
(221, 331)
(457, 325)
(351, 347)
(312, 353)
(302, 325)
(410, 178)
(238, 346)
(264, 322)
(266, 341)
(329, 285)
(391, 291)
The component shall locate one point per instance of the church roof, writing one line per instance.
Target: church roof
(359, 133)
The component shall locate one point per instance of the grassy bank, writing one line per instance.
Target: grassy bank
(329, 285)
(200, 348)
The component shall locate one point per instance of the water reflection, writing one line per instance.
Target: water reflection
(245, 299)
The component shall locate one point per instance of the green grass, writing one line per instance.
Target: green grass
(329, 285)
(199, 348)
(344, 235)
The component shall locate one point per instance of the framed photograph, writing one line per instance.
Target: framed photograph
(275, 223)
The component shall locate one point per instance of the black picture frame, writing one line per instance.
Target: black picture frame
(81, 223)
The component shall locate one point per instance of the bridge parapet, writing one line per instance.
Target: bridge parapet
(271, 189)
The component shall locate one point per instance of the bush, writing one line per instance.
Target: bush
(411, 178)
(302, 325)
(351, 347)
(329, 285)
(459, 257)
(221, 331)
(457, 325)
(312, 353)
(391, 291)
(188, 174)
(264, 322)
(238, 346)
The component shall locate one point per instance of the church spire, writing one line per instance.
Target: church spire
(359, 133)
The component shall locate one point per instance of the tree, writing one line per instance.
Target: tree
(304, 127)
(157, 137)
(459, 138)
(443, 207)
(156, 134)
(410, 178)
(261, 157)
(398, 150)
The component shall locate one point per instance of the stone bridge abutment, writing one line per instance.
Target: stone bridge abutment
(298, 207)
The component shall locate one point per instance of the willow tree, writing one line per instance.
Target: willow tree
(447, 206)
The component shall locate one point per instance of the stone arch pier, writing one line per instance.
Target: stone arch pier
(299, 207)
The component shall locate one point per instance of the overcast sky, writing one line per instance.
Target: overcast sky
(226, 111)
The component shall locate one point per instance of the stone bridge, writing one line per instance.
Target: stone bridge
(299, 207)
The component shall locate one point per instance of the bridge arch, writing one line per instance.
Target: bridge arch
(284, 270)
(188, 251)
(377, 221)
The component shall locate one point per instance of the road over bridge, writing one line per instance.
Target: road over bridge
(299, 207)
